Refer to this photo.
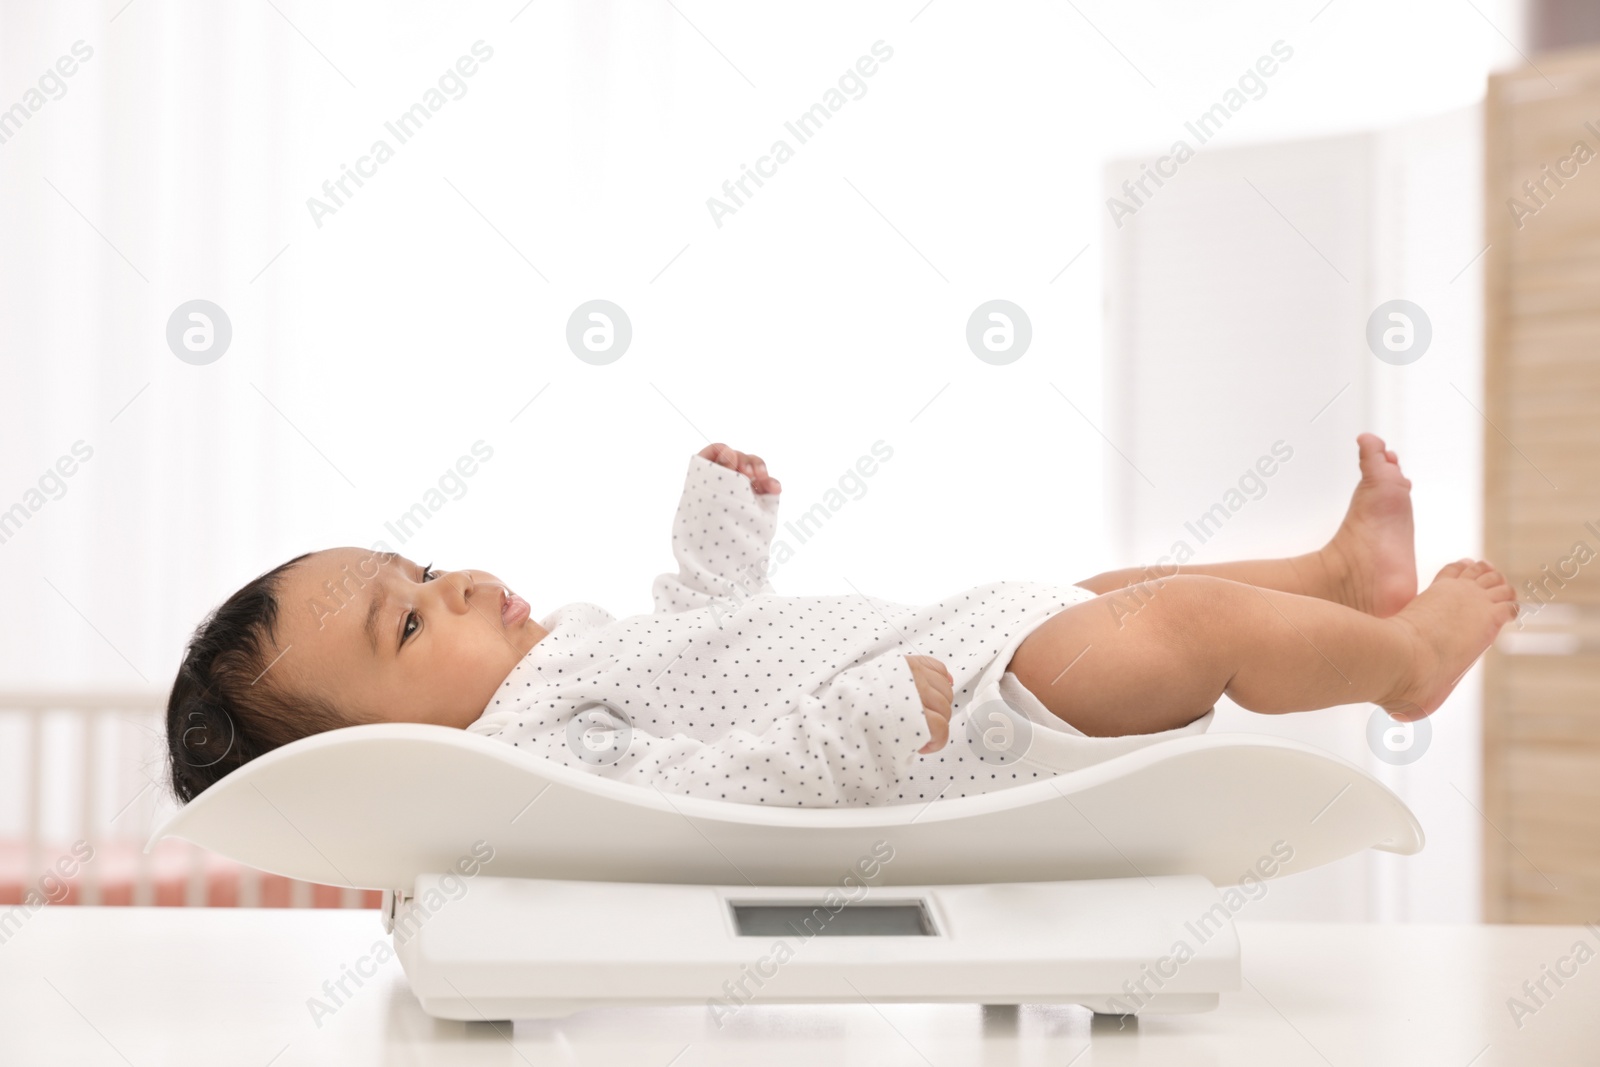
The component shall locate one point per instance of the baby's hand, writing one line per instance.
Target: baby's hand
(937, 689)
(751, 467)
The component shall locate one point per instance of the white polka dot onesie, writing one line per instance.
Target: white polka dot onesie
(730, 691)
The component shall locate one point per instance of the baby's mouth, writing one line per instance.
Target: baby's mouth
(514, 610)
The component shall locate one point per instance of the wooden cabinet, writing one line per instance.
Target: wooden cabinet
(1541, 756)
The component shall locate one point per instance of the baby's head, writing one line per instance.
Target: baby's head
(337, 638)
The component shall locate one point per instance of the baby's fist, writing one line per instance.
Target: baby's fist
(752, 467)
(936, 687)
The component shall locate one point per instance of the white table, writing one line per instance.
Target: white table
(147, 986)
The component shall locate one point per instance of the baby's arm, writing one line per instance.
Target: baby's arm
(722, 533)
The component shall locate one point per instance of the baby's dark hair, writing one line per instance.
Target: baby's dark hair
(225, 710)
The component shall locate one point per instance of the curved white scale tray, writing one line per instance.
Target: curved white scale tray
(376, 806)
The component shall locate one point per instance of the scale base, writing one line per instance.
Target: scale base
(517, 948)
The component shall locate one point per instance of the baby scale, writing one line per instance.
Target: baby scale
(518, 888)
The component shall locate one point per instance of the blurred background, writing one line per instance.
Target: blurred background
(270, 270)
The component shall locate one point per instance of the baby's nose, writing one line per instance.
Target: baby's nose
(459, 585)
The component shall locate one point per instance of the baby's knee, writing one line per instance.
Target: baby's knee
(1173, 588)
(1173, 603)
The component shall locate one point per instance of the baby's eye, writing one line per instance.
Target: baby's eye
(413, 620)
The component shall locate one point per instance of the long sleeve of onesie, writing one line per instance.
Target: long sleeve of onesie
(721, 538)
(730, 691)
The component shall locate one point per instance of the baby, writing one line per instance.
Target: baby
(729, 690)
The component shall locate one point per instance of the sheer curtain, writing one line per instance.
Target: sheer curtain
(176, 165)
(148, 183)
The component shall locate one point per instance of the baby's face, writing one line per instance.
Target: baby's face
(383, 641)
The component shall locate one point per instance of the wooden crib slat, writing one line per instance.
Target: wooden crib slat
(249, 887)
(198, 889)
(34, 796)
(88, 823)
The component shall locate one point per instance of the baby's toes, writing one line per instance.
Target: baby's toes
(1499, 591)
(1491, 577)
(1452, 570)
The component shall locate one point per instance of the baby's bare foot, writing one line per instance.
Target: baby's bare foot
(1372, 557)
(1451, 624)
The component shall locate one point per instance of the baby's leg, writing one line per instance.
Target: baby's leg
(1196, 637)
(1369, 565)
(1309, 575)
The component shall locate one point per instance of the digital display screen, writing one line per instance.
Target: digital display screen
(887, 919)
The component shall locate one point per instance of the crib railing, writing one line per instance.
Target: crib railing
(82, 787)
